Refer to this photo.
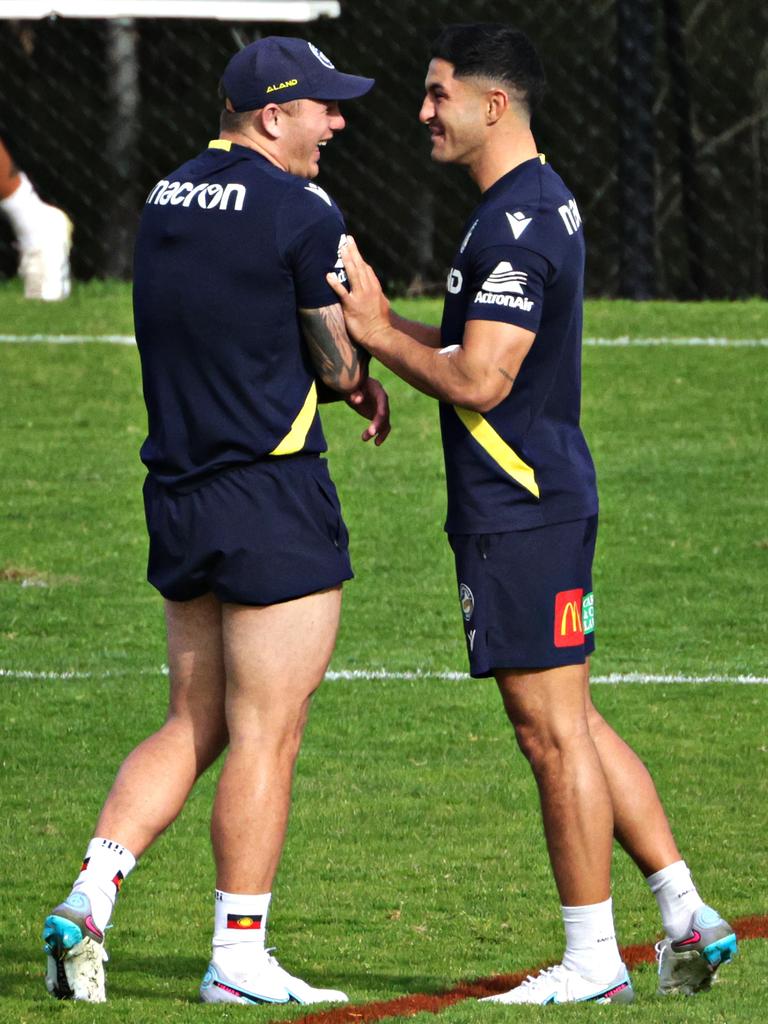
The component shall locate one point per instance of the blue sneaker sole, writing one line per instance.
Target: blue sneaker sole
(60, 935)
(721, 952)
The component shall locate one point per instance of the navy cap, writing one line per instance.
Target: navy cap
(278, 69)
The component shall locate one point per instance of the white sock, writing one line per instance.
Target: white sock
(240, 930)
(590, 942)
(105, 866)
(23, 208)
(677, 897)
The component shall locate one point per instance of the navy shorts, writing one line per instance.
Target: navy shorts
(257, 534)
(526, 596)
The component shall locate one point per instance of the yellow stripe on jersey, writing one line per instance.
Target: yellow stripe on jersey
(296, 437)
(220, 144)
(498, 449)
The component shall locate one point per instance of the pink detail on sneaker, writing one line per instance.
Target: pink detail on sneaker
(692, 939)
(613, 991)
(91, 926)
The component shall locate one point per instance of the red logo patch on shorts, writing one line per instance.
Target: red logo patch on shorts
(569, 629)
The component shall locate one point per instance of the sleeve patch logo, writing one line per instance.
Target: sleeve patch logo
(569, 626)
(505, 279)
(504, 287)
(338, 267)
(455, 281)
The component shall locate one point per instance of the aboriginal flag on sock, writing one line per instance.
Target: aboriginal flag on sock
(243, 922)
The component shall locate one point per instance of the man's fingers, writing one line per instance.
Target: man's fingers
(336, 284)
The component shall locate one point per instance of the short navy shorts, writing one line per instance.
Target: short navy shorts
(526, 596)
(256, 534)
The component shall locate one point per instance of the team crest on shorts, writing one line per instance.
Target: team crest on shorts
(467, 599)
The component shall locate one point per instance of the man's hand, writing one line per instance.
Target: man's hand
(371, 402)
(366, 308)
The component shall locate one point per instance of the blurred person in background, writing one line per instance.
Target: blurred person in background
(43, 233)
(522, 509)
(239, 336)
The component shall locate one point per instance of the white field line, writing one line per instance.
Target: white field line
(374, 675)
(622, 342)
(69, 339)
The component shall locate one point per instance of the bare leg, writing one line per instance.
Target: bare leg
(276, 657)
(548, 710)
(9, 175)
(156, 778)
(640, 824)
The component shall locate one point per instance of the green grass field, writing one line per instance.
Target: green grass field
(414, 857)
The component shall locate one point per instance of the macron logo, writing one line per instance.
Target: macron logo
(518, 222)
(505, 279)
(312, 187)
(207, 197)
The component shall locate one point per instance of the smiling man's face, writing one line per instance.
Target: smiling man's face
(307, 128)
(454, 111)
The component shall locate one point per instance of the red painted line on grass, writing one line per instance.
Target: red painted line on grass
(755, 927)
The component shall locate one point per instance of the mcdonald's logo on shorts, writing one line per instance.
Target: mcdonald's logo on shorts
(569, 628)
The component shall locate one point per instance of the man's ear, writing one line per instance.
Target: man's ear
(497, 103)
(271, 118)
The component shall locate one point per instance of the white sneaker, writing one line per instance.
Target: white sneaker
(44, 265)
(689, 964)
(75, 950)
(561, 985)
(268, 982)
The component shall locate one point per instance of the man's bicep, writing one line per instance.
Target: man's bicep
(340, 364)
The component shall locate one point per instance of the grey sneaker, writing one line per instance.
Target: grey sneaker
(689, 965)
(76, 953)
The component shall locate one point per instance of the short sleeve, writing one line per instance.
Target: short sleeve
(311, 229)
(507, 284)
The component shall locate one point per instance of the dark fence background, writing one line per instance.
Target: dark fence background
(656, 116)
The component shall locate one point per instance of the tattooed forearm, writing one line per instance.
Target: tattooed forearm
(339, 362)
(504, 373)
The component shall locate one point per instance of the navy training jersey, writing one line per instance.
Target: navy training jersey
(229, 248)
(526, 462)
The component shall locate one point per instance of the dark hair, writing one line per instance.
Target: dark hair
(495, 51)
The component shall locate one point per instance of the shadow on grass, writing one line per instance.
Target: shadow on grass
(177, 977)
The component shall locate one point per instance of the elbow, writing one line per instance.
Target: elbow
(344, 383)
(479, 399)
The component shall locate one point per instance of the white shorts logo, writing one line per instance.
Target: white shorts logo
(505, 279)
(467, 599)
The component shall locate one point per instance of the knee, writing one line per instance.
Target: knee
(546, 745)
(205, 734)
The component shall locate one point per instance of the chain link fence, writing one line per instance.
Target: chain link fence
(656, 116)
